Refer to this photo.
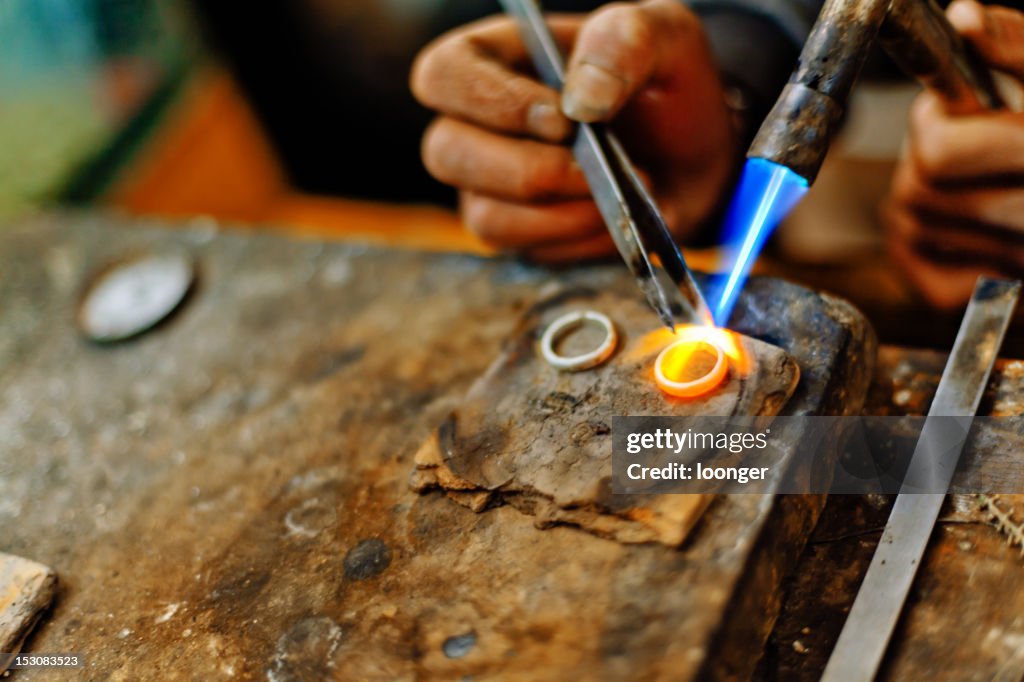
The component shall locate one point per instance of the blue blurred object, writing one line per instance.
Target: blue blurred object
(75, 74)
(39, 37)
(766, 193)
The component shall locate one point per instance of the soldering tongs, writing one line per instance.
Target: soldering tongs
(633, 219)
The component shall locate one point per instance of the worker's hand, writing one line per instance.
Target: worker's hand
(501, 136)
(957, 203)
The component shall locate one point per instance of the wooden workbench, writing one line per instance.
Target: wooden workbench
(227, 496)
(966, 611)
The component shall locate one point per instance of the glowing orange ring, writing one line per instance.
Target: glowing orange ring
(700, 385)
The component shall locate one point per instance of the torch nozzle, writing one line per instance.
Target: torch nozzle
(790, 147)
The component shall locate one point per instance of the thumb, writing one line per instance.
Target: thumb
(619, 49)
(997, 33)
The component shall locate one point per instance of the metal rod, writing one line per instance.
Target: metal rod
(916, 34)
(799, 128)
(876, 609)
(923, 43)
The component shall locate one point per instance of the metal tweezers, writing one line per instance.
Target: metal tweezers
(633, 219)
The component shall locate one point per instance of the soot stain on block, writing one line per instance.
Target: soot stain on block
(368, 559)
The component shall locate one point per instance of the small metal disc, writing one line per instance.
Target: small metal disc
(129, 297)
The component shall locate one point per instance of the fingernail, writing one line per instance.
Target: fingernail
(546, 121)
(590, 93)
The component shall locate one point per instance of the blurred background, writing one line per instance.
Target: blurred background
(296, 114)
(275, 113)
(80, 78)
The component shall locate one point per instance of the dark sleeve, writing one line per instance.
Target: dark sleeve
(757, 43)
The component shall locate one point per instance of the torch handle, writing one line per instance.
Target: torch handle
(923, 43)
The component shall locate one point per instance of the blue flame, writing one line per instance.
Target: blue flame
(766, 193)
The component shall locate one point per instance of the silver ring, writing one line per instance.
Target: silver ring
(567, 323)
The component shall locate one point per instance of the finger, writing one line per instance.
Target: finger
(997, 211)
(510, 225)
(470, 74)
(620, 48)
(997, 33)
(950, 149)
(951, 242)
(943, 286)
(589, 248)
(471, 158)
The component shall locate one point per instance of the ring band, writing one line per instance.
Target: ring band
(700, 385)
(569, 322)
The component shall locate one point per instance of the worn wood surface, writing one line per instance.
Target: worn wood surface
(965, 615)
(539, 439)
(227, 496)
(26, 590)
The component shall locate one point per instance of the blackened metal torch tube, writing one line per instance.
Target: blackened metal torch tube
(799, 128)
(916, 34)
(920, 39)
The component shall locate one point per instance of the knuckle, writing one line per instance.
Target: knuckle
(436, 150)
(422, 75)
(912, 229)
(621, 11)
(611, 31)
(433, 69)
(911, 226)
(626, 40)
(479, 216)
(616, 13)
(544, 174)
(628, 25)
(900, 223)
(932, 155)
(676, 14)
(905, 188)
(923, 115)
(671, 22)
(930, 146)
(512, 109)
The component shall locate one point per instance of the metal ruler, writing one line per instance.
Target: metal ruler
(865, 636)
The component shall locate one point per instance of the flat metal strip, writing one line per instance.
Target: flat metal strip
(865, 636)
